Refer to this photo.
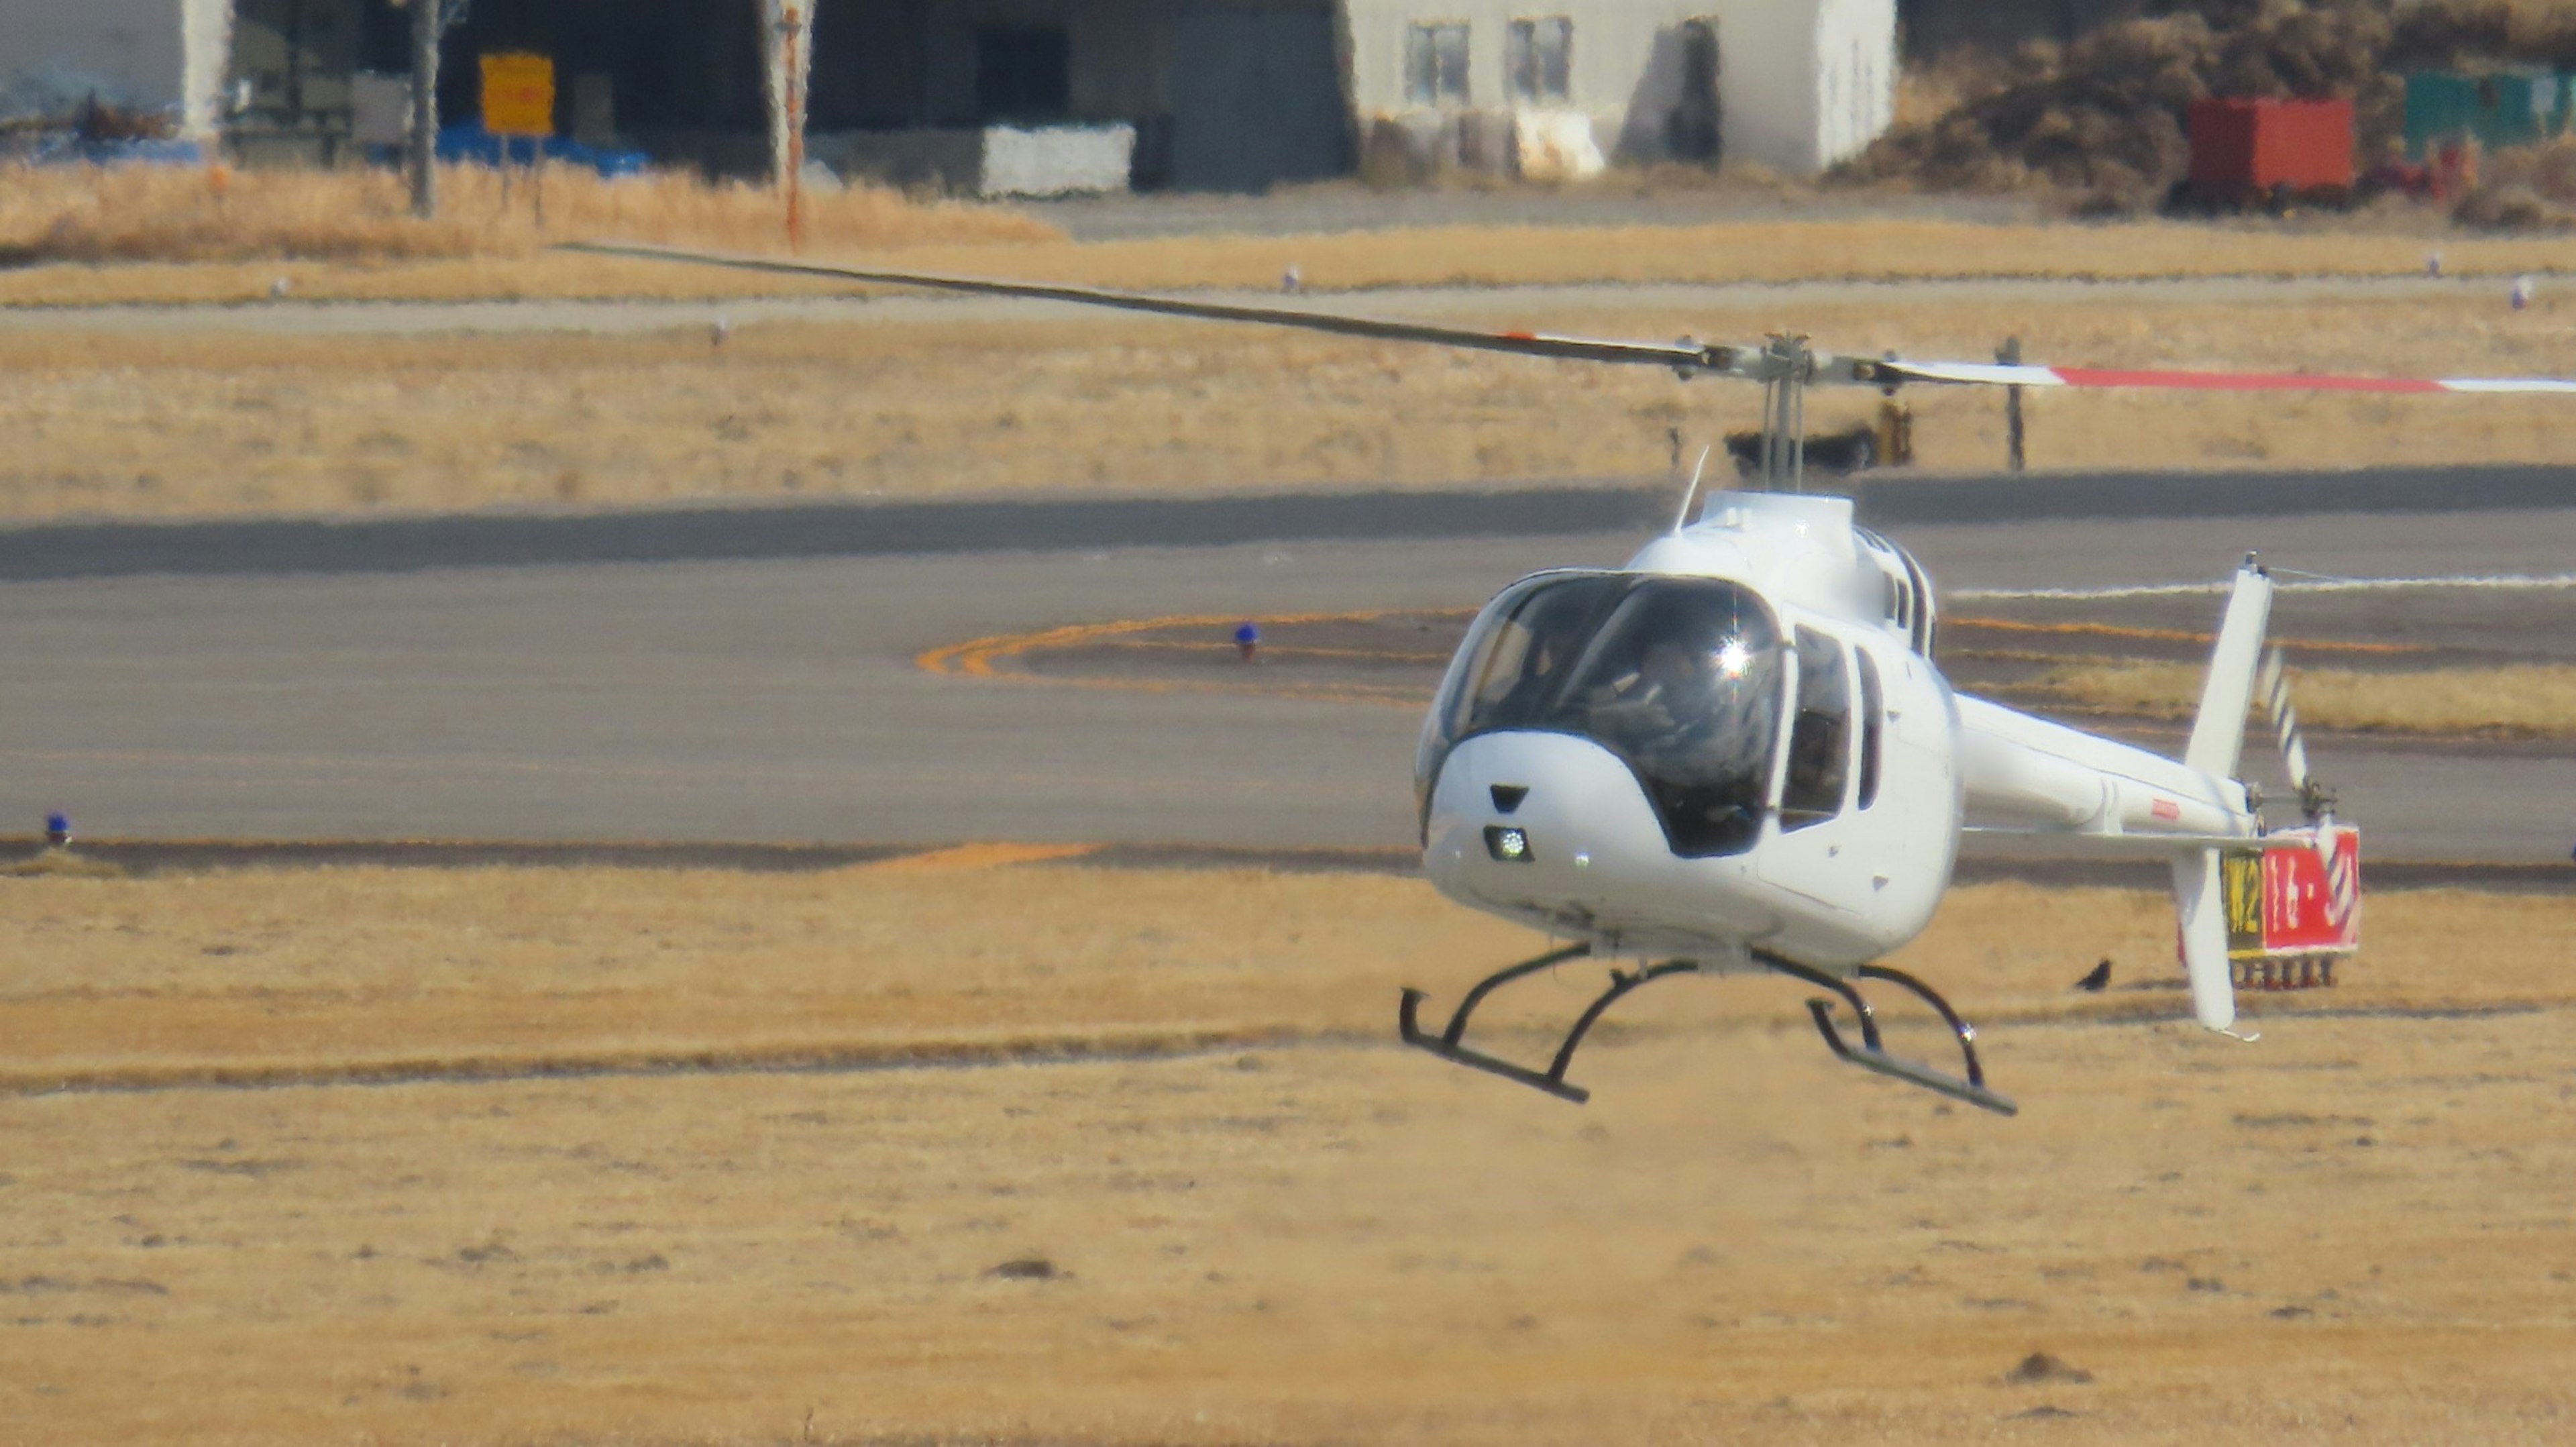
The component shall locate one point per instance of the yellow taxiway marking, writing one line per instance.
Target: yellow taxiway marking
(993, 855)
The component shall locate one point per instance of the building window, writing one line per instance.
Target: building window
(1435, 64)
(1539, 56)
(1022, 73)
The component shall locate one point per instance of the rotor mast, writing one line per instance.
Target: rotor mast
(1784, 366)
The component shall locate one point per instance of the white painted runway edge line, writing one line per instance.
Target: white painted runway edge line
(2288, 583)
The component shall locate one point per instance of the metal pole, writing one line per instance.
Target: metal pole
(1798, 415)
(424, 106)
(793, 91)
(2010, 354)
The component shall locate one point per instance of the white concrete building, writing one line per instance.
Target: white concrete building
(166, 55)
(1209, 94)
(1794, 85)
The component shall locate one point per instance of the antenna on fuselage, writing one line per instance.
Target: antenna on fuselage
(1690, 494)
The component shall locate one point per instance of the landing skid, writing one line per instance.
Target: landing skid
(1450, 1043)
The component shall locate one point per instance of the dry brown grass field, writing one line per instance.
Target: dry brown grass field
(1257, 1218)
(164, 237)
(172, 425)
(2515, 701)
(97, 219)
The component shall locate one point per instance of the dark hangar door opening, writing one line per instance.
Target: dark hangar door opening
(1023, 73)
(1256, 100)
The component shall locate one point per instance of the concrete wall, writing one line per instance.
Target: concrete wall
(1856, 76)
(1767, 84)
(206, 32)
(136, 48)
(1801, 83)
(168, 55)
(1613, 53)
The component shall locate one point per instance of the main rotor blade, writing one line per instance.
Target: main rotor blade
(1684, 357)
(1996, 374)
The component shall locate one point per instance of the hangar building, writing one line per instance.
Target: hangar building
(1219, 94)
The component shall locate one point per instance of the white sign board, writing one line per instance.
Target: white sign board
(379, 108)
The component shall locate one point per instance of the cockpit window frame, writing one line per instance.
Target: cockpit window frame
(1873, 728)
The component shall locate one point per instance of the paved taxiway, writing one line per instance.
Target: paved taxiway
(775, 697)
(1464, 305)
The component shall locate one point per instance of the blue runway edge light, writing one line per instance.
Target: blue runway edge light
(58, 829)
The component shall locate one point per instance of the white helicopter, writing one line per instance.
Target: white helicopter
(1738, 754)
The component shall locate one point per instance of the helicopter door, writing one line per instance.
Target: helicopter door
(1811, 847)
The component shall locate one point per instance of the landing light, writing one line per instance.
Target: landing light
(1507, 844)
(1733, 658)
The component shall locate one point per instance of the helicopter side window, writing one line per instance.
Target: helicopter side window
(1873, 723)
(1820, 739)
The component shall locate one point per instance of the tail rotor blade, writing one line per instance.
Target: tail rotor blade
(2285, 721)
(2316, 801)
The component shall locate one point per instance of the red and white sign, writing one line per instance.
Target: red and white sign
(2283, 899)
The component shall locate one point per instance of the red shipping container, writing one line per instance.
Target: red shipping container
(2245, 150)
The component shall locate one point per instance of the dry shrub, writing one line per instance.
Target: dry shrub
(2473, 32)
(2510, 208)
(149, 213)
(2523, 188)
(2105, 116)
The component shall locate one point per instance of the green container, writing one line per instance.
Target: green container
(2504, 108)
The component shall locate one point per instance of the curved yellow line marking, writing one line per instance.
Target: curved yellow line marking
(979, 657)
(1271, 650)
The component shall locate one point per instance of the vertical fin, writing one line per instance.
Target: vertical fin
(2218, 733)
(2200, 904)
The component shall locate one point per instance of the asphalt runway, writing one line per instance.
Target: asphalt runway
(750, 696)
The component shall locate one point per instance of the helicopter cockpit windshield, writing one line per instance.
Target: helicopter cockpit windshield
(1679, 677)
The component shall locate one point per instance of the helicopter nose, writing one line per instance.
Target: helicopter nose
(1533, 815)
(1554, 831)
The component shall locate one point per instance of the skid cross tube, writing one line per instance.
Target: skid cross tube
(1552, 1080)
(1869, 1054)
(1965, 1033)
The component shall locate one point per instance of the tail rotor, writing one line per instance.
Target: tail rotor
(2316, 799)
